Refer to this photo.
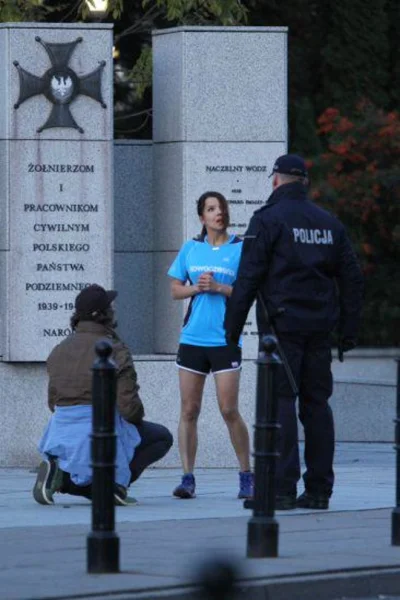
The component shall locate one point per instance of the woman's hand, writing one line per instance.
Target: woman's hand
(207, 283)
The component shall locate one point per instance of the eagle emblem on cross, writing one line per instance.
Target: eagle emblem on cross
(60, 84)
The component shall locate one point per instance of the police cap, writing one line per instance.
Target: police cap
(290, 164)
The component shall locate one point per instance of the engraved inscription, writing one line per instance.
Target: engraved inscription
(59, 267)
(45, 168)
(83, 208)
(64, 224)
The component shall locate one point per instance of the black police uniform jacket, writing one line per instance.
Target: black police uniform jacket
(299, 258)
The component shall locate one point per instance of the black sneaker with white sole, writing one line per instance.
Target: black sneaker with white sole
(121, 497)
(48, 481)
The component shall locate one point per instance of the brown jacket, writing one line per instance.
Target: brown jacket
(70, 376)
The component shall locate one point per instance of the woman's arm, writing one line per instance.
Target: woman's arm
(180, 291)
(224, 289)
(207, 283)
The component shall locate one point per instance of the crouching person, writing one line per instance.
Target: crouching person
(66, 443)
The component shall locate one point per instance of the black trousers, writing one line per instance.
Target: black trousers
(309, 356)
(155, 443)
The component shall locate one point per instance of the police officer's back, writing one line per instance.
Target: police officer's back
(298, 258)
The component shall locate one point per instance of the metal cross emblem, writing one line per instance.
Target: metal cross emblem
(60, 85)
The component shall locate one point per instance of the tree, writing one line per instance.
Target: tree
(358, 178)
(394, 52)
(12, 11)
(355, 54)
(40, 10)
(303, 137)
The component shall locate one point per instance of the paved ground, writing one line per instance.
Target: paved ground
(343, 552)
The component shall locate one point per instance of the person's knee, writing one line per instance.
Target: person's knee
(168, 439)
(190, 413)
(161, 435)
(230, 414)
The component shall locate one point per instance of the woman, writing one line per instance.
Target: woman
(204, 271)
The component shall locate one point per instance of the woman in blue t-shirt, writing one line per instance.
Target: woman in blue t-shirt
(204, 271)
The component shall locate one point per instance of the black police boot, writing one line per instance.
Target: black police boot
(314, 500)
(285, 501)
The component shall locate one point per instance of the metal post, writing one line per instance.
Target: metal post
(102, 541)
(263, 529)
(396, 511)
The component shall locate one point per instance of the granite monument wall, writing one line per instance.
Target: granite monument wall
(220, 121)
(56, 152)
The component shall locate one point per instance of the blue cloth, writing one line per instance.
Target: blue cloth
(67, 436)
(203, 325)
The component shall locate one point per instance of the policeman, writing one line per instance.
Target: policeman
(298, 259)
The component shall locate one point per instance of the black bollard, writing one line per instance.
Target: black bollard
(263, 529)
(396, 511)
(102, 541)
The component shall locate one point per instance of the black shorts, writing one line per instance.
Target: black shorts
(203, 359)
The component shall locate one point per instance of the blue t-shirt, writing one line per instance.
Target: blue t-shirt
(203, 324)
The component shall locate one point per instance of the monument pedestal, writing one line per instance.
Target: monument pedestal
(364, 385)
(220, 121)
(56, 155)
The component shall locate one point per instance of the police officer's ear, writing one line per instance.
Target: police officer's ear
(275, 181)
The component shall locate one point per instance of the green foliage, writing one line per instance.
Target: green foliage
(358, 178)
(304, 137)
(355, 54)
(12, 11)
(189, 12)
(141, 74)
(394, 52)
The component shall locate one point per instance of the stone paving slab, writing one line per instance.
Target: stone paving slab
(164, 540)
(51, 562)
(364, 480)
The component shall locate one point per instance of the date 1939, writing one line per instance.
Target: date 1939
(55, 306)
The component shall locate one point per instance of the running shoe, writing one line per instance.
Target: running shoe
(121, 497)
(187, 488)
(246, 485)
(48, 481)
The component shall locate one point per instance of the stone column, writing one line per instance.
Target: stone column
(56, 152)
(220, 121)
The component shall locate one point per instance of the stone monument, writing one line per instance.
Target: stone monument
(56, 165)
(220, 121)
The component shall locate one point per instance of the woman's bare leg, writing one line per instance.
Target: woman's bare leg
(191, 388)
(227, 386)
